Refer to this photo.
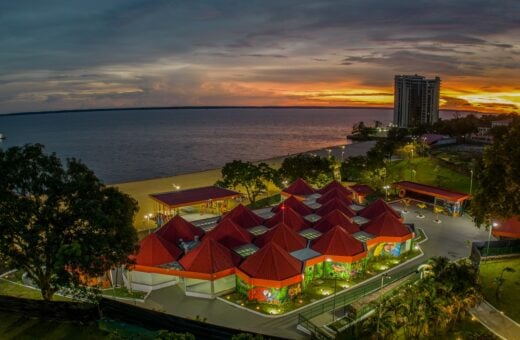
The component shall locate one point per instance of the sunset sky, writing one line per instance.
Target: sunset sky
(97, 54)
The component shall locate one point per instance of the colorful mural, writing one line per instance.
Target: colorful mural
(387, 249)
(267, 294)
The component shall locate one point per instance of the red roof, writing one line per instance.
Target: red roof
(283, 236)
(178, 228)
(334, 218)
(334, 185)
(289, 217)
(337, 241)
(209, 257)
(362, 189)
(193, 196)
(155, 250)
(230, 234)
(271, 262)
(429, 190)
(335, 194)
(333, 205)
(299, 188)
(376, 208)
(508, 228)
(296, 205)
(244, 217)
(386, 224)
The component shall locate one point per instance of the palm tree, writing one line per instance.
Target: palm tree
(499, 281)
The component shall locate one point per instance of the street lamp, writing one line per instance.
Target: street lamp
(386, 187)
(285, 182)
(471, 182)
(176, 187)
(148, 217)
(334, 297)
(380, 296)
(342, 152)
(495, 224)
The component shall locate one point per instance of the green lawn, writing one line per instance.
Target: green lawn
(427, 171)
(509, 301)
(122, 292)
(12, 289)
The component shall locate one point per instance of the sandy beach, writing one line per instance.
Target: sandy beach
(140, 190)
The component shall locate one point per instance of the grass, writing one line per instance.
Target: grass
(122, 292)
(428, 171)
(419, 235)
(510, 293)
(265, 202)
(18, 326)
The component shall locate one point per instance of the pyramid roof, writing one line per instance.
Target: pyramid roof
(209, 257)
(335, 185)
(335, 194)
(244, 217)
(230, 234)
(337, 241)
(271, 262)
(295, 204)
(290, 217)
(334, 218)
(178, 228)
(386, 224)
(333, 205)
(283, 236)
(300, 188)
(362, 189)
(155, 250)
(377, 208)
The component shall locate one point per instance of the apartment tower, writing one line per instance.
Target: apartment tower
(416, 100)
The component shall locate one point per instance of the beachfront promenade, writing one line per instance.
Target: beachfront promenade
(451, 238)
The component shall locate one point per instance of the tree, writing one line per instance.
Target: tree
(498, 192)
(60, 223)
(499, 281)
(253, 178)
(314, 169)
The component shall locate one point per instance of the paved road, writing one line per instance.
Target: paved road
(451, 238)
(496, 321)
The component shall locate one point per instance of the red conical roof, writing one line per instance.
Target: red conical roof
(230, 234)
(296, 205)
(289, 217)
(333, 205)
(377, 208)
(271, 262)
(335, 194)
(334, 218)
(386, 224)
(337, 241)
(283, 236)
(299, 188)
(335, 185)
(209, 257)
(155, 250)
(178, 228)
(244, 217)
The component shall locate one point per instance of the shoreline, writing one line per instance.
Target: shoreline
(141, 189)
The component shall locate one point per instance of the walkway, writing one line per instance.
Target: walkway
(496, 321)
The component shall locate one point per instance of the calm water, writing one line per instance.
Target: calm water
(129, 145)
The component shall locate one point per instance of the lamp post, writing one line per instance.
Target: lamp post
(176, 187)
(342, 152)
(489, 237)
(334, 296)
(380, 296)
(471, 182)
(386, 187)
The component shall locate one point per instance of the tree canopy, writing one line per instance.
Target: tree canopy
(253, 178)
(59, 223)
(316, 170)
(498, 173)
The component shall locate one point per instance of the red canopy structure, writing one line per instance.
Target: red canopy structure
(209, 257)
(295, 204)
(509, 228)
(283, 236)
(155, 250)
(178, 228)
(334, 218)
(244, 217)
(335, 204)
(335, 194)
(289, 217)
(271, 262)
(335, 185)
(448, 195)
(338, 242)
(386, 224)
(376, 208)
(298, 188)
(230, 234)
(182, 198)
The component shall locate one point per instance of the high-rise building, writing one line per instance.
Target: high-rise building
(416, 100)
